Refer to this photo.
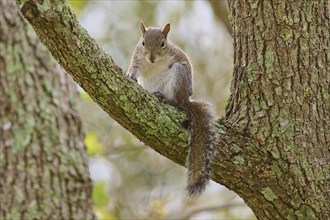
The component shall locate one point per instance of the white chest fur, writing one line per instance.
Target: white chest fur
(158, 77)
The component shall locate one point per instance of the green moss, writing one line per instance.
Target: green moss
(276, 169)
(296, 16)
(260, 57)
(254, 5)
(291, 215)
(94, 76)
(305, 47)
(261, 25)
(263, 104)
(318, 175)
(33, 210)
(21, 138)
(306, 166)
(306, 213)
(256, 103)
(286, 35)
(309, 12)
(269, 194)
(296, 171)
(270, 59)
(235, 148)
(238, 160)
(283, 165)
(251, 148)
(14, 213)
(308, 91)
(183, 136)
(249, 73)
(278, 90)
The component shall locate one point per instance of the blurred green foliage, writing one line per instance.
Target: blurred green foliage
(78, 5)
(100, 196)
(93, 144)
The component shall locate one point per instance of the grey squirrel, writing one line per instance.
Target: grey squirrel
(163, 69)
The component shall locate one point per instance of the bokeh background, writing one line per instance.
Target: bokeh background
(132, 181)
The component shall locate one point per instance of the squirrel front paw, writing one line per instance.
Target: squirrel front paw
(132, 75)
(160, 96)
(186, 124)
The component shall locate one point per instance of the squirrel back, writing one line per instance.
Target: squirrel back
(164, 69)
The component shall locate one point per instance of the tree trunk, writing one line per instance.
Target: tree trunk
(43, 162)
(273, 147)
(281, 96)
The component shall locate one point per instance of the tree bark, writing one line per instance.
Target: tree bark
(281, 96)
(273, 147)
(43, 161)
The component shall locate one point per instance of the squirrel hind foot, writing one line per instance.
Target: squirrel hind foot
(186, 124)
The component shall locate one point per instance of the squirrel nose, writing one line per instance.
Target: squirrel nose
(151, 59)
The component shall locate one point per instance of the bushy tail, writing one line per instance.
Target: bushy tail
(202, 138)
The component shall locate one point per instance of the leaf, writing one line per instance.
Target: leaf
(77, 5)
(93, 145)
(100, 195)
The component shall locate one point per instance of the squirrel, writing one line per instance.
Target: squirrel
(164, 70)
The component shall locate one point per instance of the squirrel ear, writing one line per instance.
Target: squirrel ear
(143, 28)
(166, 30)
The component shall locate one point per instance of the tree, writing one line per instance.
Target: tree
(273, 147)
(43, 163)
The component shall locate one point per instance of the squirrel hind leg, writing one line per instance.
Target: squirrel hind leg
(186, 124)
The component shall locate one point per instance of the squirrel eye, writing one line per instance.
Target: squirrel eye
(142, 43)
(162, 44)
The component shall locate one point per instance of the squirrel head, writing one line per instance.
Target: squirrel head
(154, 42)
